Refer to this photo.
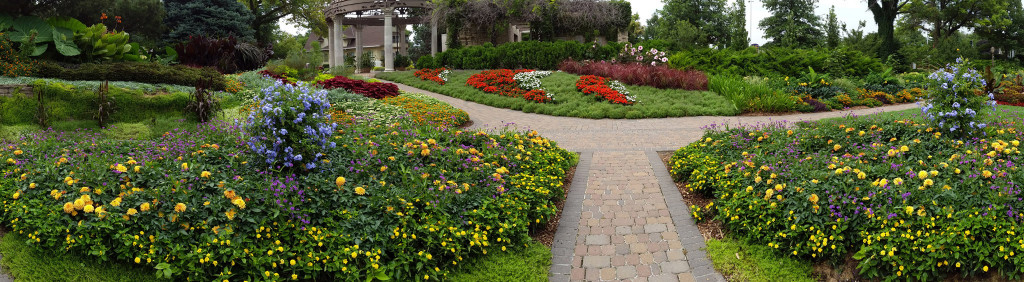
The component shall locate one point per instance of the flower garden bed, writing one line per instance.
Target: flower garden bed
(568, 101)
(604, 88)
(436, 75)
(387, 202)
(895, 195)
(511, 83)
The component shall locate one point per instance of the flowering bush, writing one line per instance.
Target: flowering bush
(954, 102)
(606, 89)
(12, 62)
(640, 74)
(503, 82)
(375, 90)
(637, 54)
(436, 75)
(401, 202)
(427, 111)
(900, 196)
(290, 126)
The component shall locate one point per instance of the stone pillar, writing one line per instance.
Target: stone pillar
(337, 43)
(433, 37)
(403, 46)
(389, 48)
(359, 44)
(330, 46)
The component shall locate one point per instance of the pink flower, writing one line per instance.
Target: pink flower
(641, 47)
(652, 63)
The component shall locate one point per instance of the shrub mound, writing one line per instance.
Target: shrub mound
(519, 55)
(375, 90)
(154, 73)
(661, 77)
(902, 197)
(777, 61)
(402, 202)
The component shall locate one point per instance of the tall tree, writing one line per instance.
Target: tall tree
(739, 38)
(885, 13)
(833, 29)
(267, 13)
(943, 18)
(29, 7)
(792, 23)
(1009, 36)
(708, 16)
(214, 18)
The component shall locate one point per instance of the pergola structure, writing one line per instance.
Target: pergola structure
(360, 13)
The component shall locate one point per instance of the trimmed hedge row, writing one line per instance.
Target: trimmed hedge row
(65, 102)
(134, 71)
(768, 62)
(519, 55)
(375, 90)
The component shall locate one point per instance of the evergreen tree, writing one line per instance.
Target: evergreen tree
(212, 18)
(739, 38)
(833, 29)
(792, 23)
(708, 17)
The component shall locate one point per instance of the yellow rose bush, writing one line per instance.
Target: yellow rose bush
(400, 201)
(899, 196)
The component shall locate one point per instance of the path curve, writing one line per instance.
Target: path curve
(624, 219)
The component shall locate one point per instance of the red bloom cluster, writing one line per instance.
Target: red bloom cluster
(276, 76)
(376, 90)
(502, 82)
(431, 75)
(598, 86)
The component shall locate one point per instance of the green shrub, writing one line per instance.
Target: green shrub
(778, 61)
(518, 55)
(751, 96)
(134, 71)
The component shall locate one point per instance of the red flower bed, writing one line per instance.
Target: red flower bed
(1011, 104)
(276, 76)
(432, 75)
(502, 82)
(376, 90)
(598, 86)
(661, 77)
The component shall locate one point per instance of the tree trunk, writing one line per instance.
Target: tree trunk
(885, 16)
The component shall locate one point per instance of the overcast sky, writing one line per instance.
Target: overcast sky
(849, 11)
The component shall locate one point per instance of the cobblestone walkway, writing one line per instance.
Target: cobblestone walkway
(624, 219)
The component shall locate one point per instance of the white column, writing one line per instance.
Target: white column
(337, 44)
(359, 44)
(389, 49)
(433, 37)
(330, 45)
(403, 46)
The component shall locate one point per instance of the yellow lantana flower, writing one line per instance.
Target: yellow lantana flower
(360, 191)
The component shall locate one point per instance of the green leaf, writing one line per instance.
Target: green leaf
(39, 50)
(382, 276)
(27, 24)
(68, 23)
(64, 46)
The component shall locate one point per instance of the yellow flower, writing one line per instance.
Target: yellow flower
(144, 207)
(425, 152)
(79, 204)
(985, 268)
(909, 209)
(138, 260)
(180, 207)
(132, 211)
(239, 202)
(31, 186)
(897, 181)
(205, 174)
(116, 202)
(986, 174)
(339, 181)
(814, 198)
(184, 166)
(928, 182)
(837, 147)
(292, 262)
(904, 148)
(88, 209)
(68, 207)
(230, 214)
(136, 168)
(360, 191)
(16, 195)
(922, 174)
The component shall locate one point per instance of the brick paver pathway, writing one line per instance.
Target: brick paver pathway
(623, 218)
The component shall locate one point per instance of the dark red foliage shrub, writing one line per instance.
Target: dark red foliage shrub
(376, 90)
(662, 77)
(817, 105)
(276, 76)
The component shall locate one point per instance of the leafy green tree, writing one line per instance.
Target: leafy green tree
(833, 29)
(30, 7)
(677, 17)
(792, 23)
(211, 18)
(1009, 36)
(739, 38)
(885, 13)
(944, 18)
(304, 13)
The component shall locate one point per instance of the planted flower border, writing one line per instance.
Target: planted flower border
(604, 88)
(436, 75)
(504, 82)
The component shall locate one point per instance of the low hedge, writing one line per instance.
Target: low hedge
(519, 55)
(134, 71)
(65, 102)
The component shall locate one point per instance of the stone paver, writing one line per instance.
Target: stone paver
(623, 217)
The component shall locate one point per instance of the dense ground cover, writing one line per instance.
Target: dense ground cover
(570, 102)
(894, 194)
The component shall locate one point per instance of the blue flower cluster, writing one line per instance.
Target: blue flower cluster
(291, 126)
(954, 104)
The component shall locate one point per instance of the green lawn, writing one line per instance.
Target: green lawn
(1002, 113)
(741, 261)
(29, 263)
(654, 103)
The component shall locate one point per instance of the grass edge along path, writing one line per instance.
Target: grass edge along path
(654, 103)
